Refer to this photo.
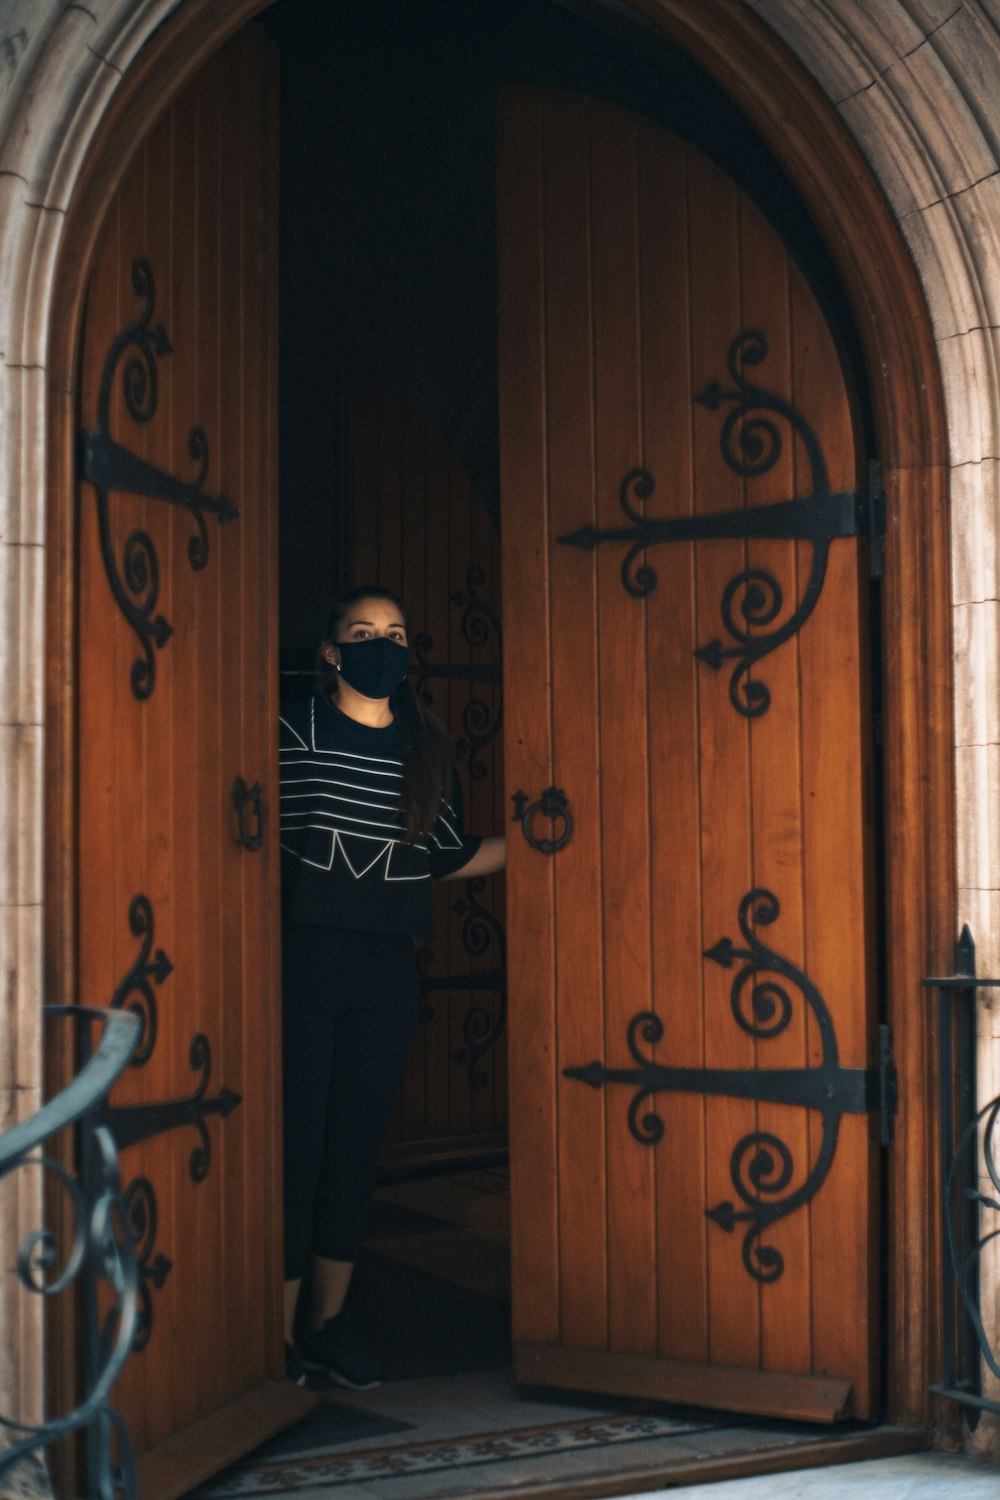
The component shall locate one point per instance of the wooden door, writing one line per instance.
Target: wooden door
(176, 666)
(418, 526)
(692, 1013)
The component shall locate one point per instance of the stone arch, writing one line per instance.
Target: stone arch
(913, 83)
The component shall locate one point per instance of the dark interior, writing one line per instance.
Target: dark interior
(387, 222)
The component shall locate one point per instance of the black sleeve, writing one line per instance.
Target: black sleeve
(449, 846)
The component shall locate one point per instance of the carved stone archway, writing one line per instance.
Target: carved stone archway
(886, 119)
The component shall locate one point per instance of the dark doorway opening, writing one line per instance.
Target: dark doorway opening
(388, 224)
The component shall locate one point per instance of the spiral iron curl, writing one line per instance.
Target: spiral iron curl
(103, 1249)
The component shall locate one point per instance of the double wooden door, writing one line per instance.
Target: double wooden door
(692, 1019)
(176, 755)
(692, 1009)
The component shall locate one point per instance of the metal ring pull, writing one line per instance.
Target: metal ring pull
(247, 799)
(553, 803)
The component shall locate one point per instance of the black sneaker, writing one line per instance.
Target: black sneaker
(333, 1351)
(295, 1370)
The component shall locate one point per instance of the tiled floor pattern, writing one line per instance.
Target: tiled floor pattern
(914, 1476)
(451, 1465)
(473, 1433)
(476, 1434)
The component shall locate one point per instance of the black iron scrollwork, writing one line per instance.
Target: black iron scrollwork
(970, 1211)
(753, 601)
(132, 1123)
(143, 1220)
(481, 1028)
(135, 991)
(481, 720)
(965, 1203)
(762, 1166)
(554, 804)
(98, 1265)
(481, 724)
(248, 801)
(479, 621)
(481, 934)
(140, 1122)
(109, 466)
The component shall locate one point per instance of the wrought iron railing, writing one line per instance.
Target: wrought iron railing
(99, 1265)
(970, 1216)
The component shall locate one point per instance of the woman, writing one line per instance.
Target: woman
(370, 811)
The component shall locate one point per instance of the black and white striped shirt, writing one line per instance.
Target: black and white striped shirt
(344, 863)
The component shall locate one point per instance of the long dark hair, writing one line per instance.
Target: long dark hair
(427, 757)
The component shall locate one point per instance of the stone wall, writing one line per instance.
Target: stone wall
(917, 83)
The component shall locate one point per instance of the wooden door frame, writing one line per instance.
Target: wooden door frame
(810, 141)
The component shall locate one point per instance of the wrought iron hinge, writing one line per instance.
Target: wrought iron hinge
(871, 519)
(753, 608)
(883, 1084)
(110, 467)
(762, 1165)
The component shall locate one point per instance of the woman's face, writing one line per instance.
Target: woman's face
(366, 621)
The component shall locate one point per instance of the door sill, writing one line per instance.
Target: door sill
(212, 1443)
(474, 1434)
(880, 1442)
(759, 1393)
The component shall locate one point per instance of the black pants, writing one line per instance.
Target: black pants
(350, 1006)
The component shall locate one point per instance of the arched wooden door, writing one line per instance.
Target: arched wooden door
(693, 1028)
(176, 755)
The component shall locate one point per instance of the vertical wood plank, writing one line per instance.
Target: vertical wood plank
(232, 547)
(528, 734)
(436, 536)
(264, 1167)
(672, 677)
(163, 1164)
(436, 1030)
(837, 880)
(485, 815)
(450, 944)
(183, 946)
(714, 292)
(413, 521)
(131, 873)
(209, 803)
(624, 748)
(776, 794)
(575, 653)
(251, 1033)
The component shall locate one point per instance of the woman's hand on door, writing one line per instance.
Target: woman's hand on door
(490, 857)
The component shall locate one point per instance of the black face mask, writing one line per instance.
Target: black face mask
(373, 668)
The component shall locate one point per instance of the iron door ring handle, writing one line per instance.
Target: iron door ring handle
(553, 803)
(245, 799)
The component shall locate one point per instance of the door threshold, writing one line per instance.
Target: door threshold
(476, 1433)
(171, 1468)
(880, 1442)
